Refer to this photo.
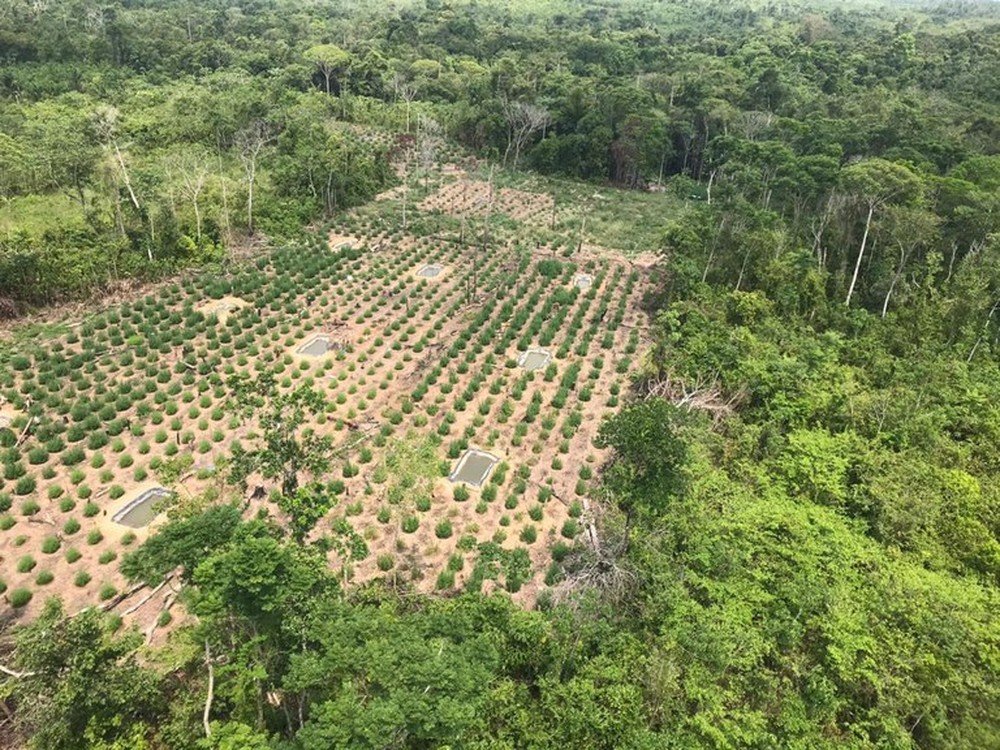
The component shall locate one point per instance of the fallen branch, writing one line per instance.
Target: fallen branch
(148, 596)
(168, 602)
(705, 394)
(116, 600)
(19, 675)
(24, 433)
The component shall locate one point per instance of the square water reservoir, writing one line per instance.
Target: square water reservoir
(534, 359)
(315, 347)
(474, 467)
(430, 271)
(142, 510)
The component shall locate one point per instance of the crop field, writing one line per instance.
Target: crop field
(463, 391)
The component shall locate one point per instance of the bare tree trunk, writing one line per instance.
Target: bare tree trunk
(711, 253)
(861, 253)
(128, 182)
(225, 202)
(951, 263)
(982, 333)
(211, 692)
(743, 268)
(895, 278)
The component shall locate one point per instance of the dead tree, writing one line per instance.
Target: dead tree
(192, 167)
(523, 120)
(251, 142)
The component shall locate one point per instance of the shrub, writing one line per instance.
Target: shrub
(51, 545)
(37, 456)
(25, 485)
(19, 597)
(445, 580)
(385, 562)
(570, 528)
(44, 578)
(529, 534)
(460, 493)
(94, 537)
(91, 509)
(26, 564)
(81, 579)
(6, 522)
(72, 555)
(107, 592)
(107, 556)
(443, 530)
(560, 550)
(29, 508)
(71, 527)
(410, 524)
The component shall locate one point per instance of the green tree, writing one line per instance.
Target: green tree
(289, 446)
(649, 457)
(80, 683)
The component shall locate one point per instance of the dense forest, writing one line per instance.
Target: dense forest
(800, 521)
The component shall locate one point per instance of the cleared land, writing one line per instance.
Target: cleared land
(417, 369)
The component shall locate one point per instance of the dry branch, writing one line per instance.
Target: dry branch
(704, 394)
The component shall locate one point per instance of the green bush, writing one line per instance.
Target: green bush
(560, 550)
(45, 578)
(81, 579)
(106, 592)
(26, 564)
(445, 580)
(25, 485)
(19, 597)
(94, 537)
(443, 530)
(51, 545)
(570, 528)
